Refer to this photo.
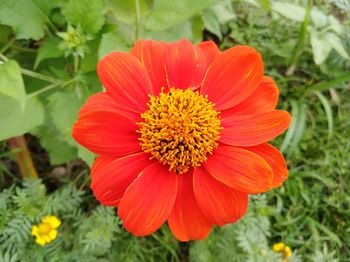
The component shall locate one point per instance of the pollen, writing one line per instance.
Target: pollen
(180, 129)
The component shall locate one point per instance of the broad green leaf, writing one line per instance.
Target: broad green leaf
(211, 23)
(336, 43)
(223, 12)
(111, 42)
(18, 122)
(53, 141)
(89, 14)
(26, 17)
(86, 155)
(63, 110)
(169, 13)
(18, 115)
(125, 10)
(182, 30)
(320, 47)
(49, 49)
(320, 19)
(335, 24)
(291, 11)
(11, 82)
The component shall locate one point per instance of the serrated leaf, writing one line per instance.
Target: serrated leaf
(125, 10)
(89, 14)
(49, 49)
(291, 11)
(320, 47)
(112, 42)
(169, 13)
(26, 17)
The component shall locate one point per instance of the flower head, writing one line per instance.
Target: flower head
(46, 231)
(181, 133)
(282, 249)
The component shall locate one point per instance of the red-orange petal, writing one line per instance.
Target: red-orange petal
(104, 102)
(152, 55)
(110, 177)
(187, 221)
(254, 129)
(276, 161)
(185, 65)
(106, 133)
(233, 76)
(218, 202)
(210, 49)
(148, 201)
(126, 80)
(240, 169)
(264, 99)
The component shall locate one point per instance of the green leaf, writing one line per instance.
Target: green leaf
(11, 82)
(53, 141)
(89, 14)
(169, 13)
(336, 43)
(63, 110)
(211, 23)
(175, 33)
(26, 17)
(329, 113)
(18, 115)
(112, 42)
(125, 10)
(320, 19)
(49, 49)
(223, 11)
(17, 122)
(86, 155)
(320, 47)
(291, 11)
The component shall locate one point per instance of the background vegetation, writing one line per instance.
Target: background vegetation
(48, 52)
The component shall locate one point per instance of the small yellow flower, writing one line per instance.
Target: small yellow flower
(282, 248)
(46, 231)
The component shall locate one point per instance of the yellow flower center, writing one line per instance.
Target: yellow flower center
(180, 128)
(44, 228)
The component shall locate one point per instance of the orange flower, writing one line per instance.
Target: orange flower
(181, 135)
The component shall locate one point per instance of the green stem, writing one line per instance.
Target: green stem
(41, 76)
(137, 19)
(3, 57)
(76, 63)
(7, 46)
(49, 87)
(24, 49)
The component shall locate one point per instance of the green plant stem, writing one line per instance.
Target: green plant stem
(24, 49)
(35, 74)
(137, 19)
(3, 57)
(8, 45)
(49, 87)
(76, 63)
(41, 76)
(23, 157)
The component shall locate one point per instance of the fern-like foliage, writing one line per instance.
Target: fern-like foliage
(246, 240)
